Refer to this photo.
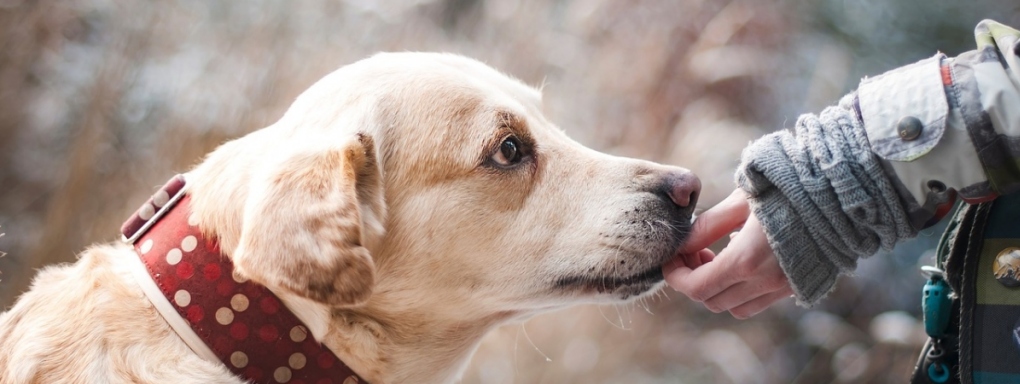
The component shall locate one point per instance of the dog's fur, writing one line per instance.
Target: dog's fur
(379, 212)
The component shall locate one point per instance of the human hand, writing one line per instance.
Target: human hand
(744, 278)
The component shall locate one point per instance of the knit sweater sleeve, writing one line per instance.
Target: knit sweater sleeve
(823, 198)
(888, 160)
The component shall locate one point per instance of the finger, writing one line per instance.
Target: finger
(717, 221)
(680, 261)
(690, 260)
(706, 255)
(760, 304)
(699, 258)
(746, 291)
(704, 282)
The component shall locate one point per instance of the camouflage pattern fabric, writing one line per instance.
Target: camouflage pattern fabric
(968, 139)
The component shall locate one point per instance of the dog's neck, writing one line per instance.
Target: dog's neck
(419, 344)
(412, 346)
(221, 316)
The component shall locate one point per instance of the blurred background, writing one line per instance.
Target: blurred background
(102, 100)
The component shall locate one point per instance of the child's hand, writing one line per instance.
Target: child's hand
(744, 278)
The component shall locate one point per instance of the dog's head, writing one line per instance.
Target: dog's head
(433, 181)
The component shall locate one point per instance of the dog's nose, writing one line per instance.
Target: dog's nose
(682, 187)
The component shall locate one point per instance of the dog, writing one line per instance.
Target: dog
(401, 208)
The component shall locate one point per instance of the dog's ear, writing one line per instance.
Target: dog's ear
(308, 218)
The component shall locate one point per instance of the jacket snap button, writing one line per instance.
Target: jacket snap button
(936, 186)
(1006, 267)
(909, 128)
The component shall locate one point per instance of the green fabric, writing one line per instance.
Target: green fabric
(1003, 175)
(994, 353)
(995, 378)
(990, 291)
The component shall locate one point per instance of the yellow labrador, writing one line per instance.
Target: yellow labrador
(404, 206)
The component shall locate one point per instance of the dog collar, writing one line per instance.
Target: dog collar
(221, 316)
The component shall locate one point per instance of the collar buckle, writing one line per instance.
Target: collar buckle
(153, 209)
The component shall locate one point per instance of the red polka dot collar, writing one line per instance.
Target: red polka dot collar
(220, 316)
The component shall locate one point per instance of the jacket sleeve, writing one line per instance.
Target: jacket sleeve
(889, 160)
(948, 127)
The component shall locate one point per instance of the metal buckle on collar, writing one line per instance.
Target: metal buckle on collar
(153, 209)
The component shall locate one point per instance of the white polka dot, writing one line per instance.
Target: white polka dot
(298, 334)
(282, 375)
(351, 380)
(160, 199)
(174, 256)
(146, 246)
(297, 360)
(182, 298)
(224, 316)
(238, 278)
(189, 243)
(239, 359)
(193, 220)
(239, 302)
(146, 211)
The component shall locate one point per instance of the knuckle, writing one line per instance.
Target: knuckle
(677, 284)
(700, 294)
(744, 313)
(702, 224)
(777, 282)
(739, 314)
(743, 271)
(669, 282)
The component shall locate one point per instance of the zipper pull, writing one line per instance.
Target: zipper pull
(935, 302)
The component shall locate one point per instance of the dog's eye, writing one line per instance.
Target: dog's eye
(509, 152)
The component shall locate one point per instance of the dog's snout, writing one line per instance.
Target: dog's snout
(682, 187)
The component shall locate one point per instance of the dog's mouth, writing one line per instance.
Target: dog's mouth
(625, 286)
(631, 255)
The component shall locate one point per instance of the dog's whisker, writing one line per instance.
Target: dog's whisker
(617, 256)
(517, 337)
(547, 358)
(619, 317)
(610, 322)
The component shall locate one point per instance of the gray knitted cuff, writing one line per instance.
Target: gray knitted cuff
(823, 199)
